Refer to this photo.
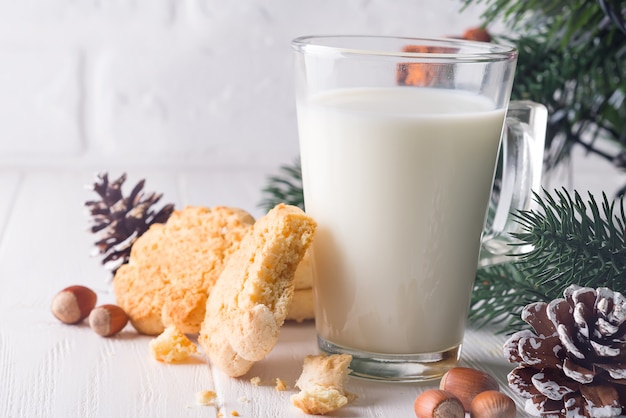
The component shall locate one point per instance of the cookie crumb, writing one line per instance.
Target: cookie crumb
(280, 385)
(172, 346)
(206, 397)
(321, 384)
(256, 380)
(234, 413)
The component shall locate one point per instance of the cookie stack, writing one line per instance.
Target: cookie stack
(218, 272)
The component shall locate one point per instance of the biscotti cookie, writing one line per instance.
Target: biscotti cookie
(173, 266)
(248, 304)
(321, 384)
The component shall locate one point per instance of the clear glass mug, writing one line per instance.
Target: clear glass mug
(399, 141)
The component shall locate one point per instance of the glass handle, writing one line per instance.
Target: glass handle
(520, 173)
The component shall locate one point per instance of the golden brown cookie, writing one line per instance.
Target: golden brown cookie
(173, 266)
(248, 304)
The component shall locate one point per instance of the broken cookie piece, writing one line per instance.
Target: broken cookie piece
(172, 346)
(321, 384)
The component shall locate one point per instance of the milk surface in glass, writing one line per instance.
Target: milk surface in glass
(398, 180)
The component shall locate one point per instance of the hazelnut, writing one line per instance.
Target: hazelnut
(73, 304)
(107, 320)
(435, 403)
(465, 383)
(492, 404)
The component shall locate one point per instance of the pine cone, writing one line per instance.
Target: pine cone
(574, 363)
(120, 220)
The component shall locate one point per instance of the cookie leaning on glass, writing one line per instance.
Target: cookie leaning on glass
(249, 303)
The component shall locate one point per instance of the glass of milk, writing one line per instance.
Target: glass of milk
(399, 142)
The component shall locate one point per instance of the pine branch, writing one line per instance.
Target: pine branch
(285, 187)
(572, 59)
(500, 293)
(575, 242)
(582, 90)
(564, 23)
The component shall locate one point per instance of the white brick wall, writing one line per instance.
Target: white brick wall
(194, 82)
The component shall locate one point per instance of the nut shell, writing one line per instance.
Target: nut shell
(73, 304)
(435, 403)
(492, 404)
(107, 320)
(465, 383)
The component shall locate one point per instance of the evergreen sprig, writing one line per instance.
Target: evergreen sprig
(583, 91)
(500, 292)
(285, 187)
(574, 242)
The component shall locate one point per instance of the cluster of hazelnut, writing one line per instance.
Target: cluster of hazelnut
(462, 390)
(75, 303)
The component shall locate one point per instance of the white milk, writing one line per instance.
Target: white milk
(398, 180)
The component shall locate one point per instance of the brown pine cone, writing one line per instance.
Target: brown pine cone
(574, 363)
(119, 220)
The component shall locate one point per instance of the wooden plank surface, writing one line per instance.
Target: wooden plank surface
(48, 369)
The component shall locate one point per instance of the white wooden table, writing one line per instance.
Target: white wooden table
(48, 369)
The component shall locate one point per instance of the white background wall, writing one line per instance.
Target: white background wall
(200, 83)
(194, 82)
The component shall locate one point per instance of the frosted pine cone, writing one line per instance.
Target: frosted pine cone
(574, 363)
